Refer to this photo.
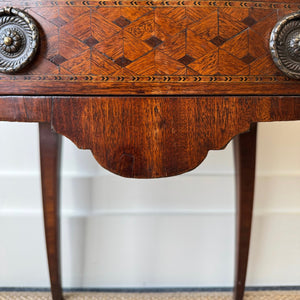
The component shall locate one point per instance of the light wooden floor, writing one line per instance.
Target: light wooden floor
(261, 295)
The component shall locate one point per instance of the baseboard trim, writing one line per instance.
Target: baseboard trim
(152, 290)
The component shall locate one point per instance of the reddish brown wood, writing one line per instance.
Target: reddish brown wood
(25, 109)
(153, 47)
(162, 136)
(50, 148)
(244, 152)
(128, 48)
(98, 86)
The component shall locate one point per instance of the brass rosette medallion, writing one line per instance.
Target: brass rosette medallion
(19, 39)
(285, 45)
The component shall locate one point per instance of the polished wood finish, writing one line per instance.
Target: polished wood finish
(244, 153)
(24, 109)
(113, 59)
(153, 47)
(50, 148)
(148, 137)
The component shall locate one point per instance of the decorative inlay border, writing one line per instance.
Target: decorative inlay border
(206, 3)
(143, 79)
(103, 44)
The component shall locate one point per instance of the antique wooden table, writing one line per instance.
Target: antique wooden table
(150, 87)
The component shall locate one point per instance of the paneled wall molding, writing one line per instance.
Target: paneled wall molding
(119, 232)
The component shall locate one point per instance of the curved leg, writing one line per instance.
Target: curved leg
(50, 147)
(244, 155)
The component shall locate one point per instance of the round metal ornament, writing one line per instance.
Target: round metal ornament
(19, 39)
(285, 45)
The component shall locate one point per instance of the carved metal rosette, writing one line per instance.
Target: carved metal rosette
(285, 45)
(19, 39)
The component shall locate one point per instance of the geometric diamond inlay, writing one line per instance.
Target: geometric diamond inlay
(178, 40)
(91, 41)
(123, 61)
(186, 60)
(122, 22)
(247, 59)
(249, 21)
(58, 59)
(153, 41)
(218, 41)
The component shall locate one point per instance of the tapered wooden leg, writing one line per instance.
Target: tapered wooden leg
(50, 148)
(244, 154)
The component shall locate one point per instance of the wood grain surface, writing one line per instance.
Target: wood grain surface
(153, 47)
(244, 158)
(134, 48)
(25, 109)
(50, 151)
(162, 136)
(148, 137)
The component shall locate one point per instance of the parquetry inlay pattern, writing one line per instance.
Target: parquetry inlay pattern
(155, 40)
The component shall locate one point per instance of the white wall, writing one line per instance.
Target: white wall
(175, 232)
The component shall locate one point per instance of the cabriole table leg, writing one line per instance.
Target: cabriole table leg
(244, 155)
(50, 148)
